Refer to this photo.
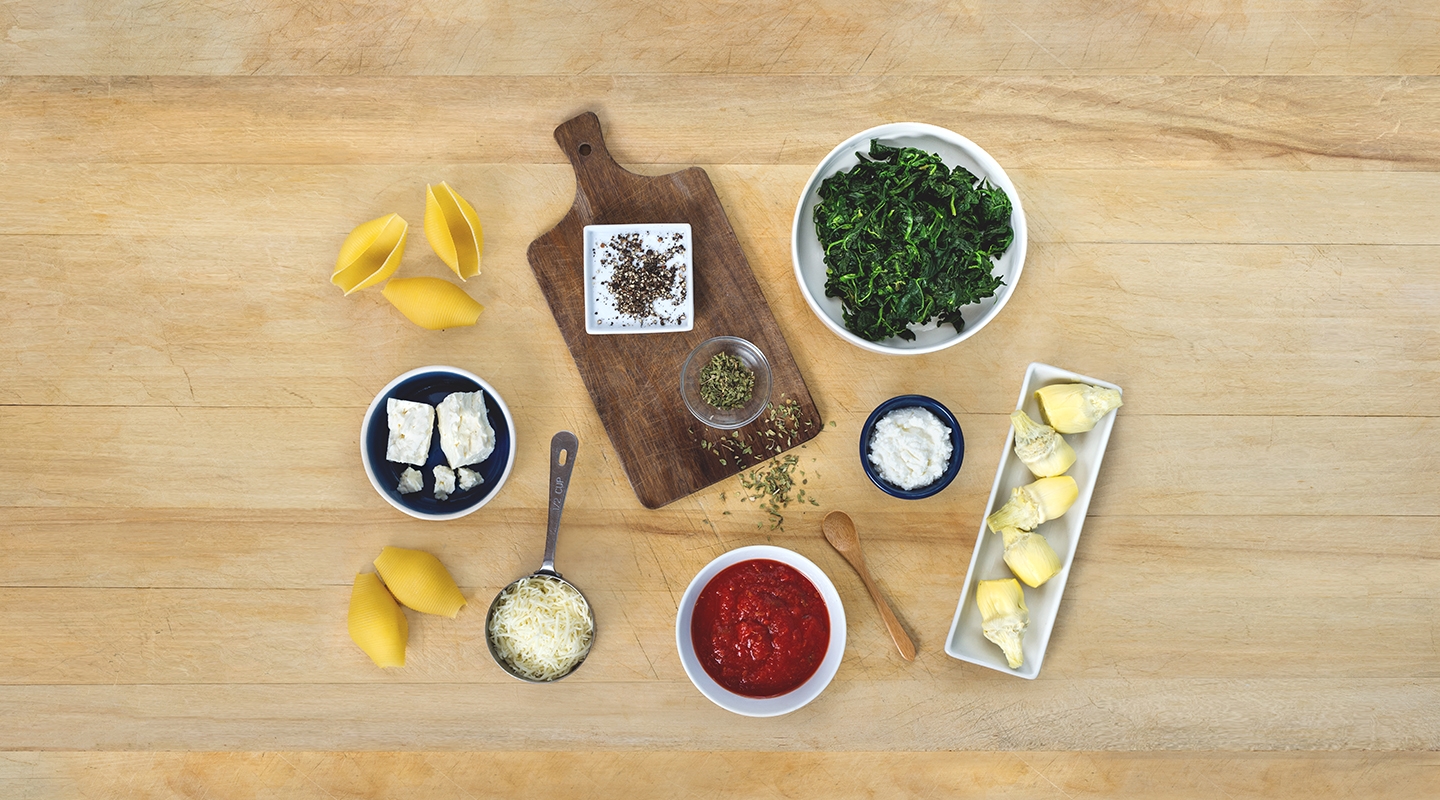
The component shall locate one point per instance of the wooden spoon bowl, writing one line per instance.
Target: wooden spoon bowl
(840, 532)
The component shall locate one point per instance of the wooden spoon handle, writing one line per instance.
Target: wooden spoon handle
(892, 623)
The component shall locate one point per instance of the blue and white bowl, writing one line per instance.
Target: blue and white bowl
(432, 385)
(957, 445)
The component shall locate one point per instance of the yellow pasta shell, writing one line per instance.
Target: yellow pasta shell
(420, 581)
(431, 303)
(371, 253)
(453, 229)
(376, 623)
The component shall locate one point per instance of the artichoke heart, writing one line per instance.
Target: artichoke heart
(1043, 451)
(1076, 407)
(1004, 617)
(1030, 556)
(376, 623)
(420, 581)
(1035, 503)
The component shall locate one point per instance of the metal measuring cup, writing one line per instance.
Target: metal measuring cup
(562, 462)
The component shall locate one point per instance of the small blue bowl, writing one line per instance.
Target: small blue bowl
(957, 442)
(432, 385)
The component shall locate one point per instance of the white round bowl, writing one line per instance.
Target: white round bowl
(808, 257)
(431, 385)
(761, 706)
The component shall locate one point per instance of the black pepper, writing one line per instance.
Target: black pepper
(641, 277)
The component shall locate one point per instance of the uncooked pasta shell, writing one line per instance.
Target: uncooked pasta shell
(431, 303)
(453, 230)
(420, 581)
(377, 624)
(371, 253)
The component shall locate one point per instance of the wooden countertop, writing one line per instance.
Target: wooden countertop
(1232, 212)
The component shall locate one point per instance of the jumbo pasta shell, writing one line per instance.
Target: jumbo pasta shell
(376, 623)
(370, 253)
(420, 581)
(453, 230)
(431, 303)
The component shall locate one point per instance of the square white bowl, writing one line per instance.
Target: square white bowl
(966, 642)
(601, 315)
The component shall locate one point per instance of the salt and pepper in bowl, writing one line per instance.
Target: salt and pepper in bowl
(639, 278)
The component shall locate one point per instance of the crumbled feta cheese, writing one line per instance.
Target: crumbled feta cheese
(411, 481)
(910, 447)
(410, 428)
(468, 478)
(444, 481)
(465, 433)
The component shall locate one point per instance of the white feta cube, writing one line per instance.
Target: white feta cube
(465, 433)
(444, 481)
(410, 427)
(411, 481)
(468, 479)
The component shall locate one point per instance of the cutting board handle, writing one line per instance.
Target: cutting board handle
(583, 143)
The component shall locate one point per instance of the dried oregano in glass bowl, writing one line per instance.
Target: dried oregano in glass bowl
(728, 393)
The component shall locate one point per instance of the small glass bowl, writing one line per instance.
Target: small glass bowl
(751, 357)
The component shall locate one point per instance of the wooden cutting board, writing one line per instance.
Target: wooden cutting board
(634, 379)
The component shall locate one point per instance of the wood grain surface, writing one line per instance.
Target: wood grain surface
(1232, 214)
(634, 380)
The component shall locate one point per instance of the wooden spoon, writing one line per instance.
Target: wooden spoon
(840, 532)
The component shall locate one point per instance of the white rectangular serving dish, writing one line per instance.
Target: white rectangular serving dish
(965, 641)
(601, 314)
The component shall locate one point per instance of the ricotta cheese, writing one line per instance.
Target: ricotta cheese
(410, 428)
(444, 482)
(465, 433)
(910, 448)
(541, 627)
(467, 479)
(411, 481)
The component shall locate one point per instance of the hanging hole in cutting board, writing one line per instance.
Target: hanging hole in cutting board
(584, 149)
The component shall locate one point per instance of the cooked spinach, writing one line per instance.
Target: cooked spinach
(907, 239)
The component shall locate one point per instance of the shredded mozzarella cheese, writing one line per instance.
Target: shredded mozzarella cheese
(541, 627)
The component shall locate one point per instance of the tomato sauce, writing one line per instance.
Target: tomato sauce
(760, 628)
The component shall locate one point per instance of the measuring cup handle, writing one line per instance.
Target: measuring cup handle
(564, 444)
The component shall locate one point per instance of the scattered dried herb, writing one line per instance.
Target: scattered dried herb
(773, 484)
(726, 383)
(907, 240)
(782, 429)
(770, 486)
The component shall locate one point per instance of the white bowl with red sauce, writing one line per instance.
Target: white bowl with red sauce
(774, 644)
